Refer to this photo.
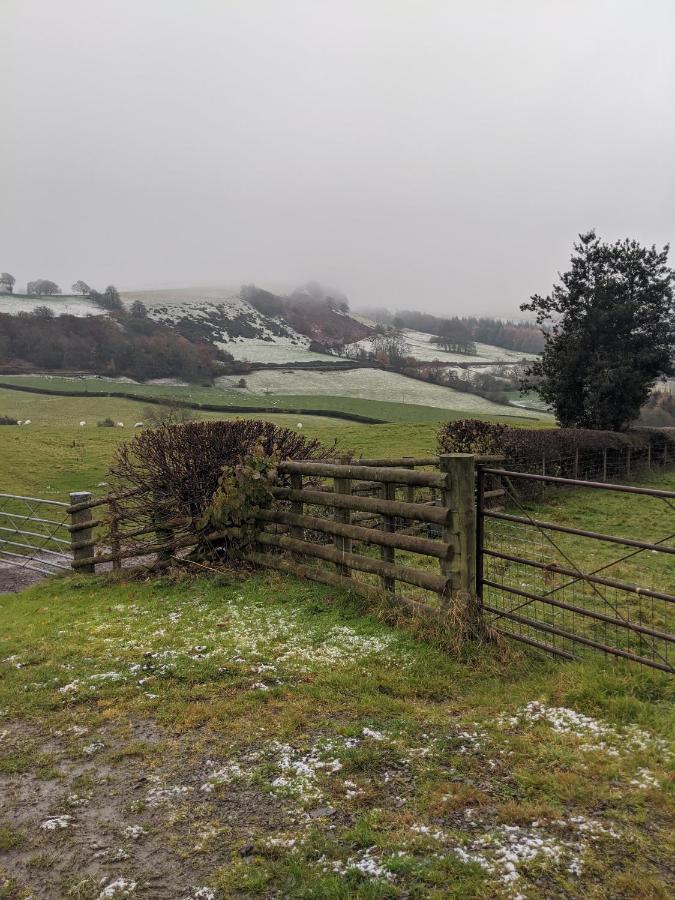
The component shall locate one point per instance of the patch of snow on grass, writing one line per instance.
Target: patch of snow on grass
(120, 887)
(504, 850)
(645, 779)
(56, 823)
(157, 796)
(365, 862)
(607, 739)
(299, 771)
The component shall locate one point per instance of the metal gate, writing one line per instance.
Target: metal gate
(566, 589)
(34, 534)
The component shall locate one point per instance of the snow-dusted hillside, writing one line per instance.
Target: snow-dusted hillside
(420, 346)
(238, 328)
(368, 384)
(59, 305)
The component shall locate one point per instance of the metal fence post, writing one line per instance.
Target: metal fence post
(81, 534)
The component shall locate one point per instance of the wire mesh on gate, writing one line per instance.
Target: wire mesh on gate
(34, 534)
(546, 583)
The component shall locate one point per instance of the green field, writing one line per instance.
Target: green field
(384, 410)
(55, 455)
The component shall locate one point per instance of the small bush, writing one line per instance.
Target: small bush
(106, 423)
(177, 469)
(8, 420)
(242, 383)
(471, 436)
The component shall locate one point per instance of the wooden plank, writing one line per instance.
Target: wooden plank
(135, 552)
(418, 577)
(398, 475)
(417, 511)
(324, 576)
(374, 536)
(297, 507)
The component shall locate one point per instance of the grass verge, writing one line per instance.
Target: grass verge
(259, 736)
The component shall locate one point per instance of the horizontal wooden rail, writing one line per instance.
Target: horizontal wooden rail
(417, 511)
(377, 474)
(423, 546)
(324, 576)
(102, 501)
(400, 461)
(417, 577)
(178, 543)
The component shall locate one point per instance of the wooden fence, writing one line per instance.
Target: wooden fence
(402, 525)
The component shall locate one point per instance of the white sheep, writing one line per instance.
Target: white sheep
(299, 424)
(138, 424)
(120, 424)
(27, 422)
(19, 422)
(82, 423)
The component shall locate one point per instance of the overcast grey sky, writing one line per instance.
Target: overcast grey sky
(431, 154)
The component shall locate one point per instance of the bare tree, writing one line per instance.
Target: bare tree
(7, 282)
(168, 413)
(81, 287)
(42, 287)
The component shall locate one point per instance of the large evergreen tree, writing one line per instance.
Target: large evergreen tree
(610, 332)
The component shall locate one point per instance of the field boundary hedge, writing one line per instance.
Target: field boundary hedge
(564, 452)
(204, 407)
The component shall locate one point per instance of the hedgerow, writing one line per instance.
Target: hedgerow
(190, 471)
(566, 452)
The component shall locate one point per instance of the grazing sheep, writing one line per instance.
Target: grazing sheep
(120, 424)
(299, 424)
(138, 424)
(27, 422)
(19, 422)
(82, 422)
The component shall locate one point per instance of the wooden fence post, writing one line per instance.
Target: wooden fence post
(343, 544)
(297, 506)
(164, 534)
(649, 454)
(576, 462)
(114, 535)
(604, 464)
(459, 496)
(410, 489)
(388, 554)
(628, 455)
(82, 538)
